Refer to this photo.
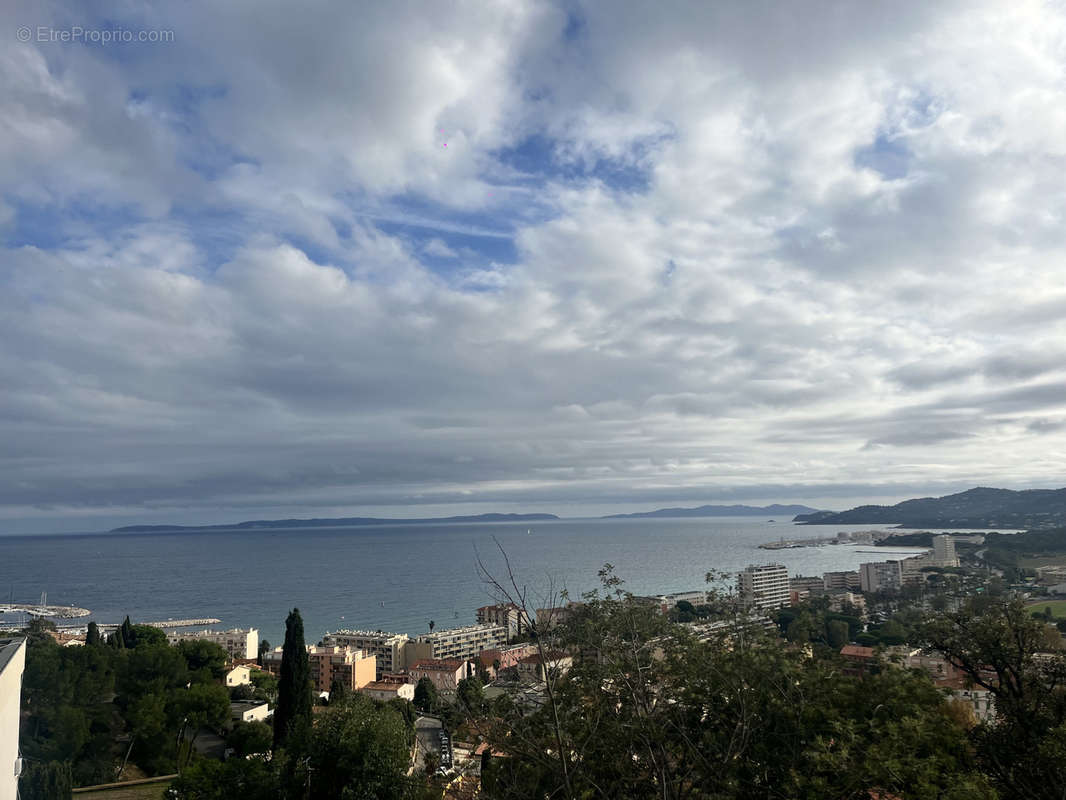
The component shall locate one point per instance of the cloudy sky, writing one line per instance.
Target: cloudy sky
(412, 259)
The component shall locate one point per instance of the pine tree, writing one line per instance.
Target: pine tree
(92, 636)
(294, 686)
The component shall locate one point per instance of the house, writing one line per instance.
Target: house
(389, 690)
(858, 660)
(239, 676)
(534, 669)
(445, 673)
(492, 661)
(249, 711)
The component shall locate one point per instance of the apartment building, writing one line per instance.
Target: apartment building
(764, 586)
(389, 649)
(238, 642)
(12, 663)
(840, 580)
(353, 668)
(881, 576)
(463, 643)
(506, 615)
(944, 551)
(445, 673)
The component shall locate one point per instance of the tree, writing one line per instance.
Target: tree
(1002, 648)
(264, 647)
(294, 686)
(92, 635)
(337, 692)
(745, 719)
(203, 657)
(837, 632)
(45, 781)
(358, 750)
(129, 638)
(426, 697)
(248, 779)
(432, 625)
(471, 695)
(249, 738)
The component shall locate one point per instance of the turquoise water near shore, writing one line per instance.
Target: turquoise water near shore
(389, 577)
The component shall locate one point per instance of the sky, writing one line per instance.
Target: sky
(406, 259)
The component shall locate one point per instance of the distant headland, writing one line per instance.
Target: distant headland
(722, 511)
(976, 508)
(339, 522)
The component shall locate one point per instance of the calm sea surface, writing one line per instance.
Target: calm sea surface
(393, 577)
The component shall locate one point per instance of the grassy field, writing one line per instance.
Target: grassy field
(1058, 607)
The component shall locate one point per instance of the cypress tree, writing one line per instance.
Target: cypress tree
(116, 640)
(129, 636)
(294, 685)
(337, 692)
(92, 636)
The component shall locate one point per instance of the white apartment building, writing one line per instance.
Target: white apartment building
(764, 586)
(463, 643)
(881, 576)
(238, 642)
(944, 551)
(390, 649)
(12, 663)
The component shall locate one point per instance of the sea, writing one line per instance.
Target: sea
(395, 577)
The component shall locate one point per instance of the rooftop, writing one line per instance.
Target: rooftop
(384, 686)
(8, 648)
(463, 630)
(444, 664)
(374, 634)
(856, 651)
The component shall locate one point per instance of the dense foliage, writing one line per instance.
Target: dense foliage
(95, 707)
(652, 711)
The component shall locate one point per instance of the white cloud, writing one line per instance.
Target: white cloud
(796, 249)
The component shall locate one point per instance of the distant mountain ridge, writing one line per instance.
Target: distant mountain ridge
(975, 508)
(340, 522)
(723, 511)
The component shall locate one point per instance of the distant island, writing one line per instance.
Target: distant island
(723, 511)
(1030, 509)
(340, 522)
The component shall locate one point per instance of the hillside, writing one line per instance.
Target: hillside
(340, 522)
(774, 510)
(975, 508)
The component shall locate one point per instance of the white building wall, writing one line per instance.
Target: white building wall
(12, 663)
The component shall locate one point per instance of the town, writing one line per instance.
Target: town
(445, 681)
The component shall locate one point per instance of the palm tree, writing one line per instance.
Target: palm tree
(432, 625)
